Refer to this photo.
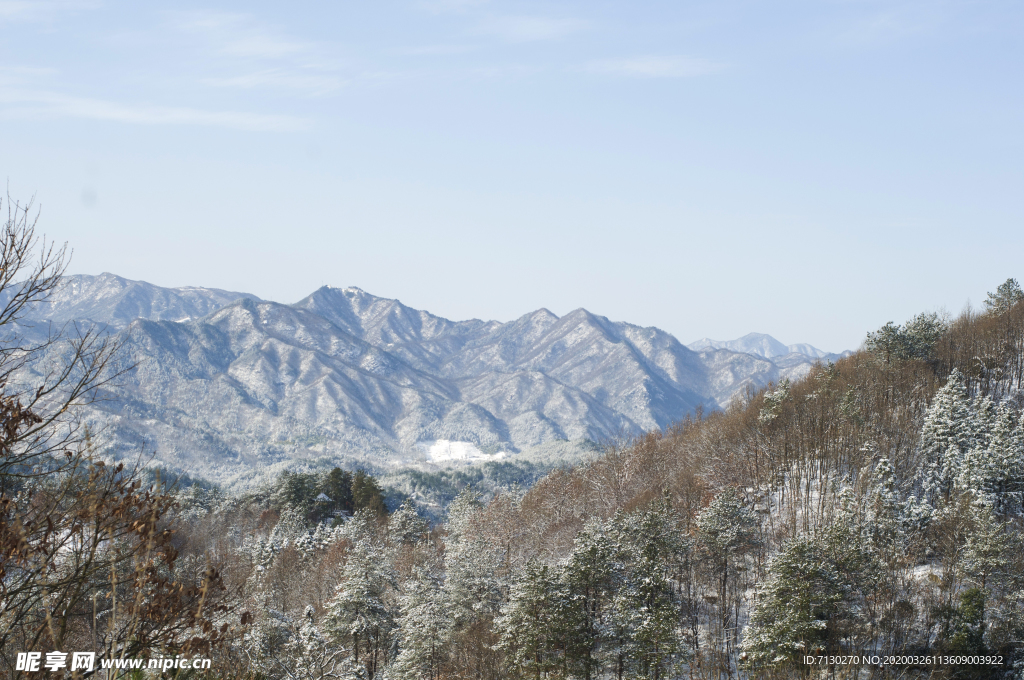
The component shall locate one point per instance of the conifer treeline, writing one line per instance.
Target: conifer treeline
(872, 508)
(322, 495)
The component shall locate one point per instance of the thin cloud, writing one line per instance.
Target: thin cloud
(239, 35)
(36, 104)
(869, 24)
(41, 10)
(280, 79)
(504, 71)
(529, 28)
(655, 67)
(430, 50)
(13, 75)
(887, 26)
(443, 6)
(262, 46)
(254, 55)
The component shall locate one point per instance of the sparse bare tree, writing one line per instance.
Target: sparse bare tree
(86, 560)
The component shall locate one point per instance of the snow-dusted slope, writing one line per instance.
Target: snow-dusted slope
(227, 383)
(116, 301)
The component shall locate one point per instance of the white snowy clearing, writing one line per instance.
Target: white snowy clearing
(441, 450)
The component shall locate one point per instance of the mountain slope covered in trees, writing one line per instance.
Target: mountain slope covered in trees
(868, 516)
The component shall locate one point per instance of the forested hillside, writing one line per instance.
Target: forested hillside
(873, 509)
(862, 522)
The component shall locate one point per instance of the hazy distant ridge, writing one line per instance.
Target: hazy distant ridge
(765, 346)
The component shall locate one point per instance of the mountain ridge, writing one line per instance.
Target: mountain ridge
(765, 346)
(341, 375)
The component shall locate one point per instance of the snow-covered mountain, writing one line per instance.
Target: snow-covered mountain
(116, 301)
(227, 383)
(763, 345)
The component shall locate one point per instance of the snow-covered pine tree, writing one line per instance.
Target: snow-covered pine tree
(531, 623)
(993, 471)
(985, 415)
(310, 655)
(473, 587)
(1006, 296)
(773, 402)
(645, 606)
(801, 593)
(592, 580)
(868, 573)
(946, 437)
(1010, 483)
(988, 549)
(726, 531)
(265, 640)
(406, 526)
(362, 614)
(980, 585)
(891, 521)
(884, 510)
(424, 626)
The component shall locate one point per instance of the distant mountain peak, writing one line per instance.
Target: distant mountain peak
(116, 301)
(762, 345)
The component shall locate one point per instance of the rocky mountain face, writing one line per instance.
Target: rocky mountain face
(228, 385)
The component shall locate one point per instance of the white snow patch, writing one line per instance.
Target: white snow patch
(440, 450)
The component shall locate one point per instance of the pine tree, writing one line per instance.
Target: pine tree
(592, 580)
(884, 511)
(890, 521)
(309, 655)
(361, 616)
(645, 607)
(279, 646)
(985, 415)
(1010, 478)
(726, 532)
(978, 577)
(994, 472)
(773, 402)
(367, 494)
(471, 585)
(530, 623)
(338, 487)
(1006, 296)
(406, 526)
(916, 339)
(946, 437)
(424, 626)
(987, 554)
(802, 592)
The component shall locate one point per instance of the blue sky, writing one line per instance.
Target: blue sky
(806, 169)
